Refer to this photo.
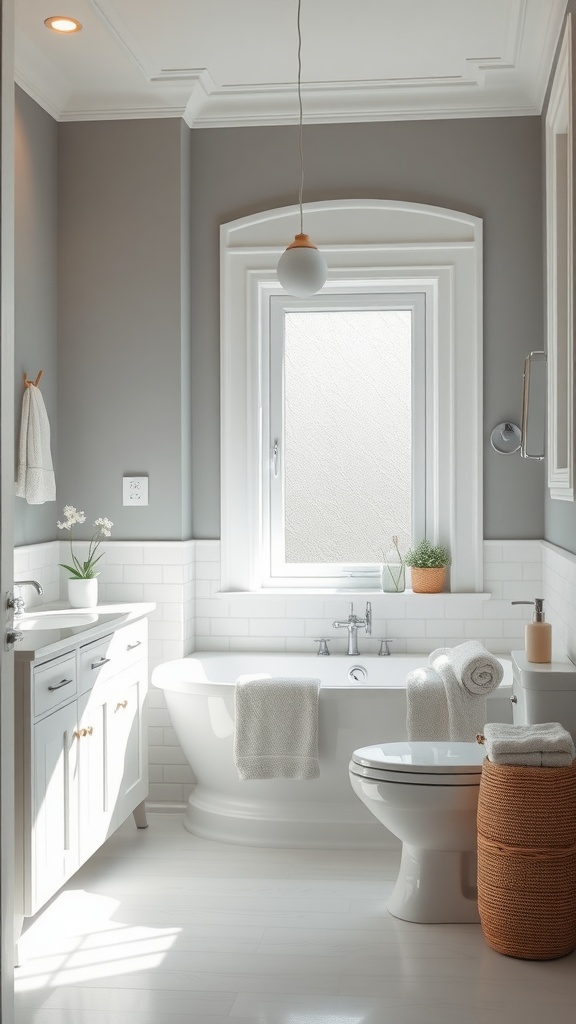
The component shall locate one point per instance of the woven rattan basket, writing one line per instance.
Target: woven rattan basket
(527, 860)
(428, 581)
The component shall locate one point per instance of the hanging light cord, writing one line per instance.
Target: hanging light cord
(300, 132)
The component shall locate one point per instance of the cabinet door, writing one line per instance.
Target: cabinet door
(54, 821)
(95, 808)
(127, 741)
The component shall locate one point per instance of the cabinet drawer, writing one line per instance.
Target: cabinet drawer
(54, 683)
(129, 644)
(96, 663)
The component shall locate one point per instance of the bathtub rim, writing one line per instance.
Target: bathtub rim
(211, 687)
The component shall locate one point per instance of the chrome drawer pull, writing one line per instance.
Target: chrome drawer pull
(98, 664)
(63, 682)
(130, 647)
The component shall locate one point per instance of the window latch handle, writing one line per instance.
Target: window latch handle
(275, 456)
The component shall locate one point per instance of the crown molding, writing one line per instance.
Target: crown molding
(325, 103)
(489, 86)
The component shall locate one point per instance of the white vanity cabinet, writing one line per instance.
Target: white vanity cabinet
(81, 755)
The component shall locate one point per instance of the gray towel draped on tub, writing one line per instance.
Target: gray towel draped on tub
(276, 727)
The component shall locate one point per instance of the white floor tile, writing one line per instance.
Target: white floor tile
(161, 927)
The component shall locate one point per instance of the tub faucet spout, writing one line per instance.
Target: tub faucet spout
(352, 624)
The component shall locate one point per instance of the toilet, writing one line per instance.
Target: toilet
(426, 794)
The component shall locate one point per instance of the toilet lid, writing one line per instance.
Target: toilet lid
(428, 762)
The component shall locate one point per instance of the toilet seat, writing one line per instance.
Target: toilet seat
(424, 763)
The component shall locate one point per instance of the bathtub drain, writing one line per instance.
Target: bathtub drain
(357, 674)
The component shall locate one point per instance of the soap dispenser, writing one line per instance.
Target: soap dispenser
(538, 634)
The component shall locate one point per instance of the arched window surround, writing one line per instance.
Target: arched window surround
(366, 240)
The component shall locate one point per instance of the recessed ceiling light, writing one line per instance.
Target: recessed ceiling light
(61, 23)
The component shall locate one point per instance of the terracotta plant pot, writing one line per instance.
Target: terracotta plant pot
(428, 581)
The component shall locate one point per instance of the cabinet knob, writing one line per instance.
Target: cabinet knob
(513, 700)
(130, 647)
(79, 733)
(122, 704)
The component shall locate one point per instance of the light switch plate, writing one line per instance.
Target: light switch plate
(135, 490)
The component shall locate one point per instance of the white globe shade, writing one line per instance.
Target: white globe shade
(302, 270)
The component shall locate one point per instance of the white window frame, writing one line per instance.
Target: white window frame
(276, 572)
(425, 247)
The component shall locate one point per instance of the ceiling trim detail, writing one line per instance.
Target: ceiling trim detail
(503, 84)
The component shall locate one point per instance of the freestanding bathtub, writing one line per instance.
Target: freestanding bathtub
(362, 701)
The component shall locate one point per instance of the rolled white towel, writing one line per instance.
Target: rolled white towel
(466, 711)
(477, 669)
(426, 706)
(545, 744)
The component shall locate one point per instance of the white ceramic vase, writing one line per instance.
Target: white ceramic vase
(83, 593)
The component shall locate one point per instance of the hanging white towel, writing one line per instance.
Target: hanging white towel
(276, 728)
(35, 480)
(544, 744)
(466, 711)
(426, 706)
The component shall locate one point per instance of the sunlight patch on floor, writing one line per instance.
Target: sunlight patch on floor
(85, 943)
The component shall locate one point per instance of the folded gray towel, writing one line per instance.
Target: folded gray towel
(544, 744)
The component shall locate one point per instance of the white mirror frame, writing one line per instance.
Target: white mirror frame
(559, 275)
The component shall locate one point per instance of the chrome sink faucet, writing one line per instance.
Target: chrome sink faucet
(352, 624)
(18, 603)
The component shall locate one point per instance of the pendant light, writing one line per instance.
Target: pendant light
(302, 270)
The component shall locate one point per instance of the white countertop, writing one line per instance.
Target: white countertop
(42, 643)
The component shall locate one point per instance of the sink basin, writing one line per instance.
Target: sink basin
(65, 619)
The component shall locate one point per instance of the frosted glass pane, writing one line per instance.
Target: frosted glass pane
(347, 441)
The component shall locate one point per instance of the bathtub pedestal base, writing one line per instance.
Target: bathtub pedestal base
(261, 826)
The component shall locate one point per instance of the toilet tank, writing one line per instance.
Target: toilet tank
(544, 693)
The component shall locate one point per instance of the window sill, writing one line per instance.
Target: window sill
(369, 594)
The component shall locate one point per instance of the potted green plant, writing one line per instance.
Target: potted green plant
(428, 563)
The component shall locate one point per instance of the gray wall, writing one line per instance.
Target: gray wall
(560, 516)
(139, 384)
(35, 287)
(487, 167)
(123, 299)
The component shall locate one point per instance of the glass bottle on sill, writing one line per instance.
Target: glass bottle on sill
(393, 570)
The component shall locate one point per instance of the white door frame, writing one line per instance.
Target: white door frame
(6, 510)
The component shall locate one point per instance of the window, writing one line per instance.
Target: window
(344, 408)
(403, 301)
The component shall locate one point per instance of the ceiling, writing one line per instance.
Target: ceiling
(220, 63)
